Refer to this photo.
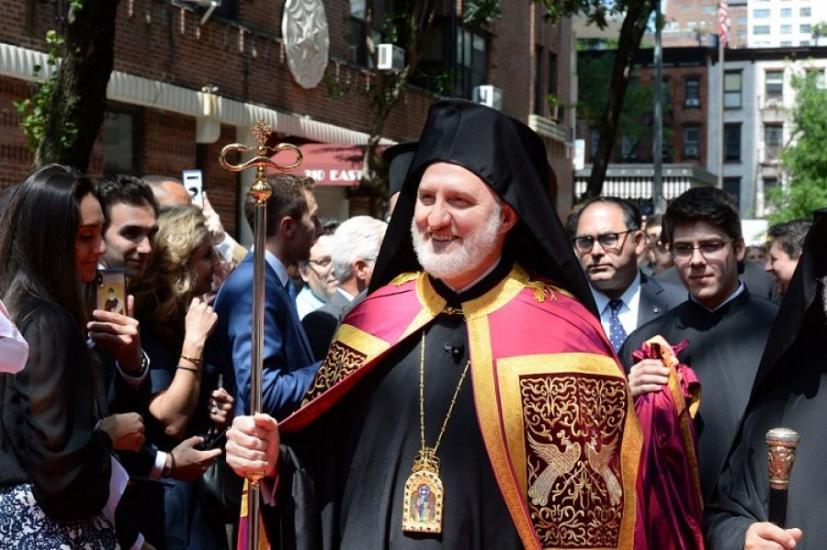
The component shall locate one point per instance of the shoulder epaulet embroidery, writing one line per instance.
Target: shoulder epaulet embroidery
(403, 278)
(541, 289)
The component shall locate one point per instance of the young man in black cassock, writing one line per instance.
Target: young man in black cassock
(726, 326)
(787, 394)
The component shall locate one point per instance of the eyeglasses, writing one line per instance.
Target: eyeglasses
(584, 243)
(708, 249)
(324, 262)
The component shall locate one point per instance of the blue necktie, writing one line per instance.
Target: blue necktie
(291, 290)
(617, 335)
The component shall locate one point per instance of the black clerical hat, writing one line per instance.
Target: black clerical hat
(399, 159)
(511, 159)
(801, 297)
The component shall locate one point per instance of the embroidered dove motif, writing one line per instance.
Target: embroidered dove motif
(559, 463)
(599, 461)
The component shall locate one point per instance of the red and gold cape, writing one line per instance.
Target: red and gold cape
(552, 402)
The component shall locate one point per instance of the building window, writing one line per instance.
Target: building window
(786, 29)
(228, 9)
(692, 142)
(804, 43)
(594, 141)
(770, 184)
(709, 9)
(551, 86)
(741, 20)
(121, 141)
(774, 85)
(733, 187)
(539, 96)
(786, 43)
(628, 148)
(773, 141)
(732, 142)
(761, 29)
(762, 13)
(732, 90)
(806, 28)
(472, 61)
(805, 12)
(786, 12)
(381, 11)
(692, 92)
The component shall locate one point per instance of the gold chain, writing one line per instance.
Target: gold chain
(422, 399)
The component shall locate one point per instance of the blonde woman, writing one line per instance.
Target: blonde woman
(176, 321)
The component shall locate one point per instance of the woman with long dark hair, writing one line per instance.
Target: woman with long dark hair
(56, 441)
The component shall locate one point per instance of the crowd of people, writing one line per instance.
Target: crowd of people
(473, 373)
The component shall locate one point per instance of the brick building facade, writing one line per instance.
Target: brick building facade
(158, 115)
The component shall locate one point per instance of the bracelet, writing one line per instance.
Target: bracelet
(193, 360)
(171, 469)
(192, 370)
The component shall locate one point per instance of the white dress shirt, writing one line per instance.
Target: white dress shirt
(628, 314)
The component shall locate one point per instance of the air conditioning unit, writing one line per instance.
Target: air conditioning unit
(390, 57)
(692, 102)
(489, 95)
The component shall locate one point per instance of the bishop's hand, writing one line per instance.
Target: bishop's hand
(253, 445)
(768, 536)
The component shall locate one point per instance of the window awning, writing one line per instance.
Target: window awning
(330, 164)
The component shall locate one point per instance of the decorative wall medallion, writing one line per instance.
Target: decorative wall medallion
(306, 39)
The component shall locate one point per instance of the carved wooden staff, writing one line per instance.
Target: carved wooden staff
(260, 191)
(781, 444)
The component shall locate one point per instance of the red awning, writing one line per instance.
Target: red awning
(331, 164)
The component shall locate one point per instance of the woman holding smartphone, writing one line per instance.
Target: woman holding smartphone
(56, 442)
(177, 320)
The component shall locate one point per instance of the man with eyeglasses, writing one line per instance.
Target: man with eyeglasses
(725, 326)
(318, 277)
(608, 241)
(354, 248)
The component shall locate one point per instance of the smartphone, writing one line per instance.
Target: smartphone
(194, 183)
(111, 291)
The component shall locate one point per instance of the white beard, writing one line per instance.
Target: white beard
(473, 249)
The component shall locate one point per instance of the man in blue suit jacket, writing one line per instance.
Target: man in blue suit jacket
(289, 366)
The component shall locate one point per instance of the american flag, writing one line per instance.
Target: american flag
(723, 22)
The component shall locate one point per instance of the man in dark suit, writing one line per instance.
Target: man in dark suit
(288, 362)
(608, 241)
(354, 250)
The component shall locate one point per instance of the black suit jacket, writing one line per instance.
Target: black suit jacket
(320, 325)
(658, 297)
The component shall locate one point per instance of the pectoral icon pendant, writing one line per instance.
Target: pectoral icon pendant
(422, 509)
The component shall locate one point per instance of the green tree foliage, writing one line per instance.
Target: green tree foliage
(635, 120)
(636, 15)
(63, 117)
(805, 159)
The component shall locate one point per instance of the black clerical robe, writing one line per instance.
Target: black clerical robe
(792, 398)
(725, 348)
(347, 453)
